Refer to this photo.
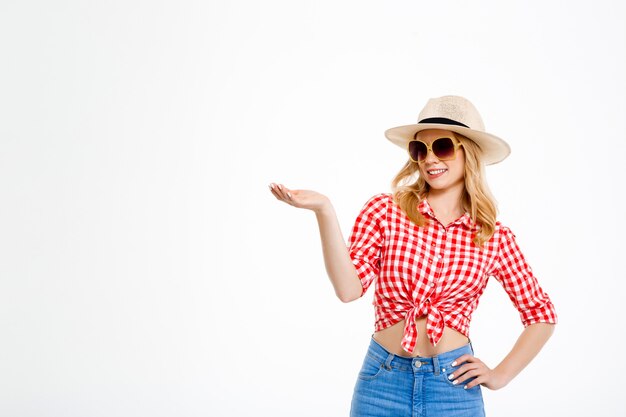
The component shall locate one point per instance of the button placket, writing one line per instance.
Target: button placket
(437, 255)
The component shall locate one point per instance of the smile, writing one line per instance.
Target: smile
(436, 171)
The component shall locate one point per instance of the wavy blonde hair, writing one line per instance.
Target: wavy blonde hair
(477, 200)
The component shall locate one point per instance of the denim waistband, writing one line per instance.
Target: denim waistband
(435, 364)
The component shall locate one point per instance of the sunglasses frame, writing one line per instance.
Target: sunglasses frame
(455, 142)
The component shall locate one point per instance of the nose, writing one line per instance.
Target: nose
(430, 157)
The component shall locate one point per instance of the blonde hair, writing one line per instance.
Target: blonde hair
(477, 200)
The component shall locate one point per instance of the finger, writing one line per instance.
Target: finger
(461, 359)
(467, 375)
(472, 383)
(289, 194)
(282, 196)
(285, 192)
(275, 191)
(281, 191)
(479, 380)
(273, 188)
(458, 374)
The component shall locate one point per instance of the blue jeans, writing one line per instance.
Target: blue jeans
(396, 386)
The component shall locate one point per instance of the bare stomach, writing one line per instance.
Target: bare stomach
(391, 337)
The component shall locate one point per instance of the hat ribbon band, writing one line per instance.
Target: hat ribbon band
(442, 121)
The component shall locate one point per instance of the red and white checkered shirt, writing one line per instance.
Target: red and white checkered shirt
(437, 271)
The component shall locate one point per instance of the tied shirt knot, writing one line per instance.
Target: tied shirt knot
(434, 325)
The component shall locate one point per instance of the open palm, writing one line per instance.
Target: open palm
(306, 199)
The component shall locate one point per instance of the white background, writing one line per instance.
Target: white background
(146, 270)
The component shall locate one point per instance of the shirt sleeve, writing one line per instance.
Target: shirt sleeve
(520, 284)
(366, 239)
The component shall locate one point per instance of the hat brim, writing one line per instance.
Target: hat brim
(493, 149)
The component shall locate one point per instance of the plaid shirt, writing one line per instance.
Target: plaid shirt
(437, 271)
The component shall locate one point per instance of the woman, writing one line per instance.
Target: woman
(432, 247)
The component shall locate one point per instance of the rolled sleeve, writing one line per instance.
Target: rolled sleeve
(366, 239)
(516, 276)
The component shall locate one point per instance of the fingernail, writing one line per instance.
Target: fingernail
(451, 376)
(455, 382)
(280, 187)
(454, 363)
(271, 186)
(289, 195)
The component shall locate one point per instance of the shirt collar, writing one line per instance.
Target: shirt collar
(464, 220)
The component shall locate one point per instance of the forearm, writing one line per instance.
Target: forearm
(528, 345)
(339, 267)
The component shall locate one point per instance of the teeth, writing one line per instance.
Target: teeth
(436, 171)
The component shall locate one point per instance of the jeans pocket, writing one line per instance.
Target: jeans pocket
(371, 368)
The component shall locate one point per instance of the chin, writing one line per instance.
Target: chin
(438, 185)
(443, 185)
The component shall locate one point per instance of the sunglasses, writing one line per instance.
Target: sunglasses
(443, 148)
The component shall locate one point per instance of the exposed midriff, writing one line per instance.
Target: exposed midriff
(390, 338)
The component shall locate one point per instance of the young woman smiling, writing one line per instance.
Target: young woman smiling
(431, 247)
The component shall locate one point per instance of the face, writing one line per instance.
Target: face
(441, 175)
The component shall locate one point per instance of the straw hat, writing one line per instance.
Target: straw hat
(458, 115)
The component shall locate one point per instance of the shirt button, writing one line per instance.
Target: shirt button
(432, 284)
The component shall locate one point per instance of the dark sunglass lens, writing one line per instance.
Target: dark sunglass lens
(443, 148)
(417, 150)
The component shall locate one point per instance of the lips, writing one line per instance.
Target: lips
(436, 171)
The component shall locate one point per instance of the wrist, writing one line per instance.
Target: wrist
(501, 377)
(324, 209)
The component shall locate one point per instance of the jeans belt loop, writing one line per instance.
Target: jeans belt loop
(388, 361)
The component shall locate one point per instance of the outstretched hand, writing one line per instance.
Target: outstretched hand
(306, 199)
